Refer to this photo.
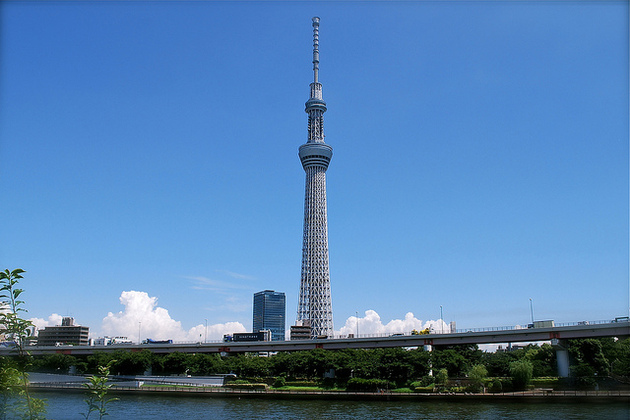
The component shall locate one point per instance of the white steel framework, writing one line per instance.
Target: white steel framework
(315, 303)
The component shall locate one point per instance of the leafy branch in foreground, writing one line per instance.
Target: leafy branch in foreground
(98, 387)
(16, 330)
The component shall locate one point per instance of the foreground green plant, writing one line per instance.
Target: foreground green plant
(16, 330)
(98, 388)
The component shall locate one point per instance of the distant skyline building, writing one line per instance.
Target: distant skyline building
(270, 313)
(315, 302)
(66, 333)
(301, 331)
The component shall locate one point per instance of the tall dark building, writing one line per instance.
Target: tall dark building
(270, 313)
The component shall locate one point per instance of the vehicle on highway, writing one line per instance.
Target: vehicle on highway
(149, 341)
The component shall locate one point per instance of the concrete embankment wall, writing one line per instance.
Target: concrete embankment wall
(538, 396)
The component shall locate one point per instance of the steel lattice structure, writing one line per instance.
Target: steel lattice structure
(315, 303)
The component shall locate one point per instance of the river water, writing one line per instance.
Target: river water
(69, 406)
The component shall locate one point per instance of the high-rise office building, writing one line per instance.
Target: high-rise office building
(270, 313)
(315, 303)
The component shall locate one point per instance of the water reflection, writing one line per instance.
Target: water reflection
(68, 406)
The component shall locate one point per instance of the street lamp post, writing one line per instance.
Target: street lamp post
(531, 309)
(357, 313)
(139, 335)
(205, 338)
(441, 321)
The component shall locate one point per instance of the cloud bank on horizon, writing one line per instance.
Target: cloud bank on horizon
(142, 318)
(371, 324)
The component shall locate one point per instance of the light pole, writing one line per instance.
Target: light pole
(139, 326)
(357, 313)
(531, 309)
(205, 339)
(441, 321)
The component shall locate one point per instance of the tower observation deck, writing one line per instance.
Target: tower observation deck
(315, 303)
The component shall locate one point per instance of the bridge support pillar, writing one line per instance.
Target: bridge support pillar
(562, 357)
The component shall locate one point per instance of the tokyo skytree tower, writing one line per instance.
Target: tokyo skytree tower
(315, 304)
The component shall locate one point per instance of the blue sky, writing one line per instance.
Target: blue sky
(480, 158)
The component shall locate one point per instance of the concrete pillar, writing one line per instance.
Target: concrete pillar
(429, 348)
(562, 357)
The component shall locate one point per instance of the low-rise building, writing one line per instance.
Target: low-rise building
(110, 341)
(65, 334)
(301, 331)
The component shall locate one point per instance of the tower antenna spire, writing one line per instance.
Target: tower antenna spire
(316, 49)
(315, 305)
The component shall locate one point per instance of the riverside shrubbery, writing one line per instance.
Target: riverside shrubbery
(369, 385)
(246, 385)
(495, 385)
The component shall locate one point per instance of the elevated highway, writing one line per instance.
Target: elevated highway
(488, 336)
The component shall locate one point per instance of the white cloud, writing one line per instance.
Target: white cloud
(237, 275)
(371, 324)
(142, 316)
(205, 283)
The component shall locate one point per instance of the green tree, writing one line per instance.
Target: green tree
(206, 364)
(131, 363)
(54, 363)
(543, 359)
(96, 359)
(97, 390)
(16, 329)
(620, 361)
(451, 360)
(441, 379)
(521, 372)
(589, 352)
(477, 375)
(498, 363)
(319, 361)
(583, 375)
(248, 365)
(342, 363)
(395, 365)
(176, 363)
(420, 362)
(496, 385)
(364, 364)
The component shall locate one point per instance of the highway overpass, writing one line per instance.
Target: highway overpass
(485, 336)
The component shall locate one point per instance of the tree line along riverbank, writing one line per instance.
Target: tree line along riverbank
(595, 364)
